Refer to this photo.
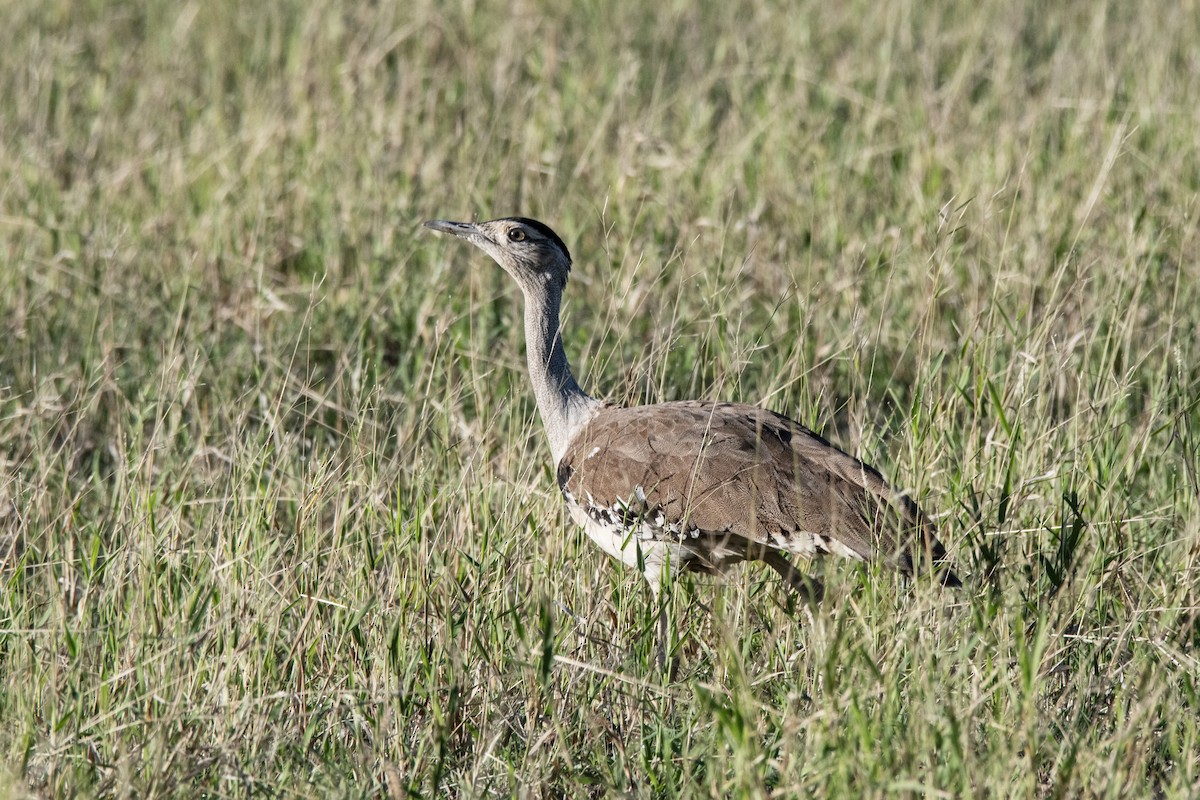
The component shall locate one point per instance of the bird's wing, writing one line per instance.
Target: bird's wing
(718, 468)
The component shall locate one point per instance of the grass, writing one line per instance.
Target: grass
(276, 516)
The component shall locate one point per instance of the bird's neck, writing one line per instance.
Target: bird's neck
(564, 406)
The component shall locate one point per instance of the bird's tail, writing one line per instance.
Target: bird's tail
(923, 553)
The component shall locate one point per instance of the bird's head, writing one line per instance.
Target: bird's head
(526, 249)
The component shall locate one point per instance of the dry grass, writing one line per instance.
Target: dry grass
(275, 514)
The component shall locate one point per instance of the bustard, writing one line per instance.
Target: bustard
(695, 485)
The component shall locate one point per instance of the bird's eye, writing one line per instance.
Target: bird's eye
(516, 235)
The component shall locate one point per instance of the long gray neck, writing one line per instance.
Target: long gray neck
(564, 406)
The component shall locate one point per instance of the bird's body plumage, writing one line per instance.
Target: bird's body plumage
(702, 486)
(693, 485)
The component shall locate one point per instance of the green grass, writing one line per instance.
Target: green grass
(276, 515)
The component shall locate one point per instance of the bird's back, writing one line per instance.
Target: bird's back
(698, 471)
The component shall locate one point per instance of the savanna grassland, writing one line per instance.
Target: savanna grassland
(276, 514)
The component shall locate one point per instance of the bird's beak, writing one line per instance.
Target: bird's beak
(464, 230)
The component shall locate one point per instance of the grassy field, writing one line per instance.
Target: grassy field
(277, 516)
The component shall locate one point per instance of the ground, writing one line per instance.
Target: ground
(276, 516)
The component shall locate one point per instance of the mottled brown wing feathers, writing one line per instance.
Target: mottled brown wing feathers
(716, 468)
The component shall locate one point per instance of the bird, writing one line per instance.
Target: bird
(694, 485)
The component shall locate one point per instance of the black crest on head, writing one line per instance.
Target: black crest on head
(544, 230)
